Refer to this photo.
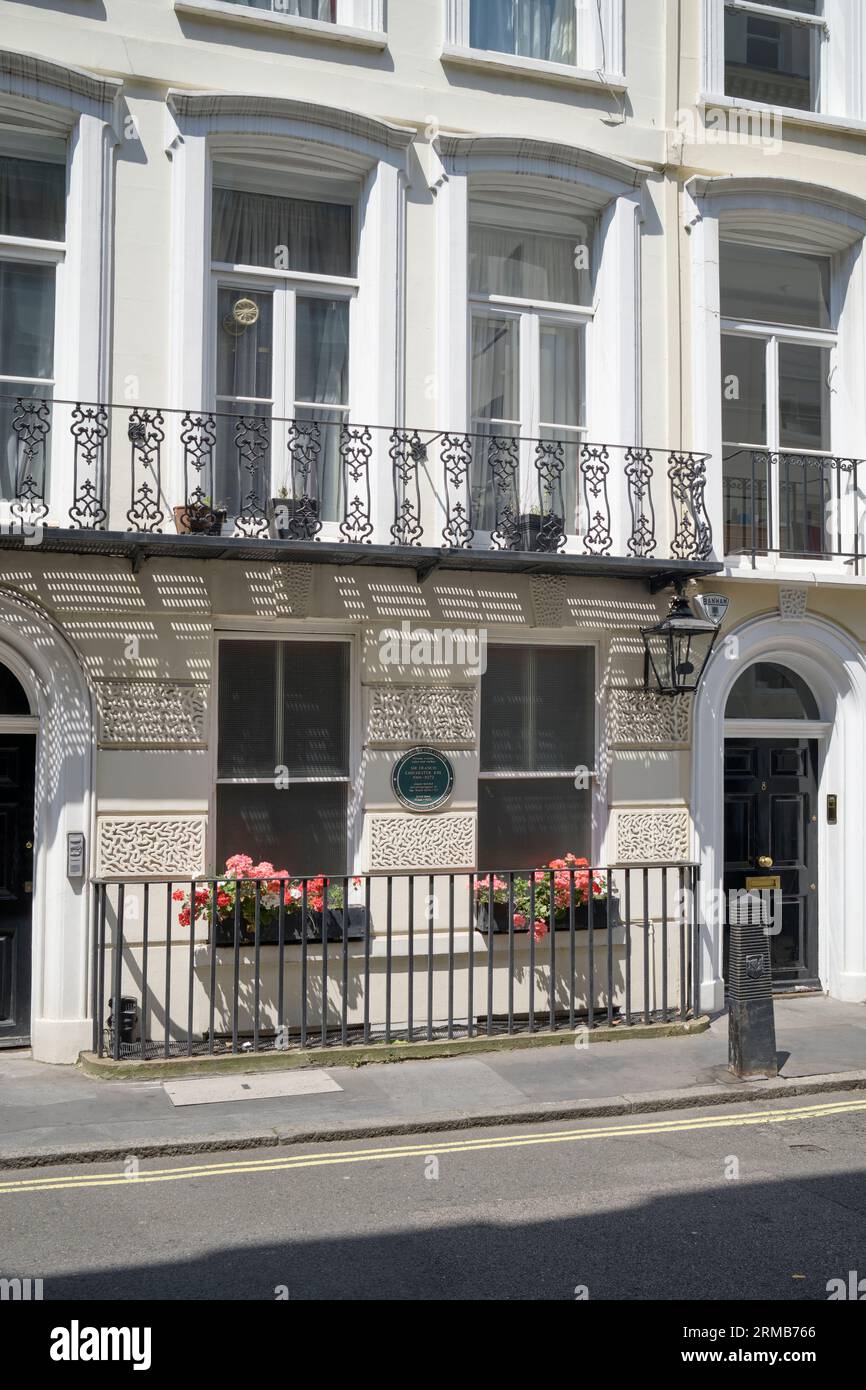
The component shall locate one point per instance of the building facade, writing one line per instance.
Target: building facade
(369, 373)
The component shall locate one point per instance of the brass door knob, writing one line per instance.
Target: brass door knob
(29, 844)
(765, 862)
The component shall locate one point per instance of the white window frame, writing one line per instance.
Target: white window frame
(818, 222)
(841, 98)
(600, 46)
(204, 127)
(283, 633)
(82, 109)
(285, 287)
(595, 790)
(359, 23)
(772, 336)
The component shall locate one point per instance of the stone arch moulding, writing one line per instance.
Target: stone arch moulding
(833, 665)
(49, 669)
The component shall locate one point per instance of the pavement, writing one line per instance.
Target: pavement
(55, 1115)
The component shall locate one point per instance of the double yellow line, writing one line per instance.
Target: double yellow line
(289, 1162)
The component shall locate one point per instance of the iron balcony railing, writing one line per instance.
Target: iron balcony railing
(805, 506)
(380, 959)
(153, 470)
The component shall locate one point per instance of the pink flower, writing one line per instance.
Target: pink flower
(540, 931)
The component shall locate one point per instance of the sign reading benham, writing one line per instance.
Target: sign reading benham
(423, 779)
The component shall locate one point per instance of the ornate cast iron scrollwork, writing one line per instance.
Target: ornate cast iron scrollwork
(146, 435)
(503, 464)
(298, 515)
(198, 438)
(595, 470)
(693, 536)
(456, 455)
(356, 451)
(89, 433)
(549, 468)
(639, 475)
(252, 442)
(31, 422)
(407, 453)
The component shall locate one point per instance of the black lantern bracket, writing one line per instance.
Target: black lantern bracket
(677, 649)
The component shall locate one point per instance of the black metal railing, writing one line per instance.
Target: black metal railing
(801, 506)
(153, 470)
(218, 966)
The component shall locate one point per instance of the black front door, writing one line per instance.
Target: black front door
(17, 764)
(771, 814)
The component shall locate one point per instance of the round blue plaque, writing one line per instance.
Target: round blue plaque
(423, 779)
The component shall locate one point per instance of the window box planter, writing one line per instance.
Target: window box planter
(198, 519)
(581, 918)
(269, 932)
(296, 518)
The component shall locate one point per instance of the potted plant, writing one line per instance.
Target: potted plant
(198, 517)
(534, 525)
(245, 882)
(561, 871)
(295, 518)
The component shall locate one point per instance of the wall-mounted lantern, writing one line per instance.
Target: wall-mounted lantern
(678, 648)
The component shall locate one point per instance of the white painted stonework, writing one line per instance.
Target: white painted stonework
(150, 846)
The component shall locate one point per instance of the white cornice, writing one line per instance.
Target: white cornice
(38, 79)
(245, 106)
(522, 153)
(733, 188)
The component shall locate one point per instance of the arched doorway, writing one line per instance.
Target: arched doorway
(772, 763)
(18, 729)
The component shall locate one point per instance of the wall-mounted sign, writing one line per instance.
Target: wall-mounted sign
(714, 607)
(74, 855)
(423, 779)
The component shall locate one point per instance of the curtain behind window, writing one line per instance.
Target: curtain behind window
(304, 9)
(542, 29)
(251, 229)
(526, 265)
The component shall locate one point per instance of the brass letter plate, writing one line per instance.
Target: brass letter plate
(766, 885)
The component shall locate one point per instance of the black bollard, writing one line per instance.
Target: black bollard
(751, 1023)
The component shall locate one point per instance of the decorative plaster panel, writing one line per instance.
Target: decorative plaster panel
(548, 600)
(152, 714)
(407, 843)
(421, 714)
(653, 836)
(150, 846)
(642, 719)
(792, 602)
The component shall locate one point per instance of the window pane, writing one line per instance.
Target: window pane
(322, 351)
(807, 492)
(531, 28)
(774, 286)
(325, 10)
(32, 199)
(804, 397)
(561, 375)
(769, 691)
(495, 369)
(244, 343)
(528, 265)
(289, 233)
(525, 824)
(745, 498)
(315, 709)
(744, 390)
(772, 60)
(301, 827)
(247, 709)
(538, 709)
(26, 319)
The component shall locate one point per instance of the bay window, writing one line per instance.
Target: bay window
(284, 754)
(284, 277)
(530, 301)
(32, 232)
(778, 341)
(537, 750)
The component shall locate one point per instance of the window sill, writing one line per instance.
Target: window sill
(782, 570)
(790, 115)
(287, 23)
(531, 67)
